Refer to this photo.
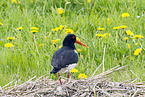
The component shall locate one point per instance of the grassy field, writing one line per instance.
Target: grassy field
(30, 54)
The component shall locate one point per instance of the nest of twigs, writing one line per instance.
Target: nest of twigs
(94, 86)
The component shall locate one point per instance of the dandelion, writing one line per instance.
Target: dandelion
(46, 37)
(60, 10)
(108, 20)
(1, 24)
(53, 30)
(57, 29)
(10, 38)
(138, 36)
(67, 31)
(99, 35)
(138, 44)
(8, 45)
(20, 28)
(123, 26)
(32, 1)
(82, 75)
(55, 41)
(129, 33)
(115, 28)
(128, 45)
(106, 35)
(125, 15)
(61, 26)
(34, 28)
(15, 1)
(79, 50)
(74, 70)
(126, 38)
(100, 29)
(137, 51)
(41, 44)
(88, 1)
(78, 39)
(34, 31)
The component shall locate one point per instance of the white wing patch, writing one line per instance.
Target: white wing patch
(75, 51)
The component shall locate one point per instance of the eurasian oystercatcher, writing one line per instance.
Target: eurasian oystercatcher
(65, 58)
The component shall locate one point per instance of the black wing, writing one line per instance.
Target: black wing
(63, 57)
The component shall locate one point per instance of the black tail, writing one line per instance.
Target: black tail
(55, 70)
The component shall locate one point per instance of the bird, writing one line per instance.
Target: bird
(65, 58)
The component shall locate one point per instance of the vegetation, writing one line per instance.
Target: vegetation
(43, 27)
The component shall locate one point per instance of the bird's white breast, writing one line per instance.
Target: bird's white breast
(70, 67)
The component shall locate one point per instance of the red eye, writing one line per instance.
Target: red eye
(73, 37)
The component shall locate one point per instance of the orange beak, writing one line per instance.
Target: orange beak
(81, 43)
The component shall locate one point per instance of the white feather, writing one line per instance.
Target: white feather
(70, 67)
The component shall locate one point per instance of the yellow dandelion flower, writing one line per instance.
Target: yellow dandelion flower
(123, 26)
(32, 1)
(99, 35)
(41, 44)
(8, 45)
(61, 26)
(10, 38)
(34, 28)
(60, 46)
(1, 24)
(20, 28)
(69, 31)
(138, 44)
(128, 45)
(100, 29)
(34, 31)
(126, 38)
(82, 75)
(53, 29)
(106, 35)
(78, 39)
(138, 36)
(129, 33)
(108, 20)
(79, 50)
(46, 37)
(60, 10)
(15, 1)
(57, 29)
(88, 1)
(115, 28)
(74, 70)
(55, 41)
(125, 15)
(137, 51)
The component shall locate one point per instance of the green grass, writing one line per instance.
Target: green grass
(24, 60)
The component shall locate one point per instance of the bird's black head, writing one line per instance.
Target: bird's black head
(69, 40)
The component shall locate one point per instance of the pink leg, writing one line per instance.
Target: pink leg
(68, 76)
(59, 78)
